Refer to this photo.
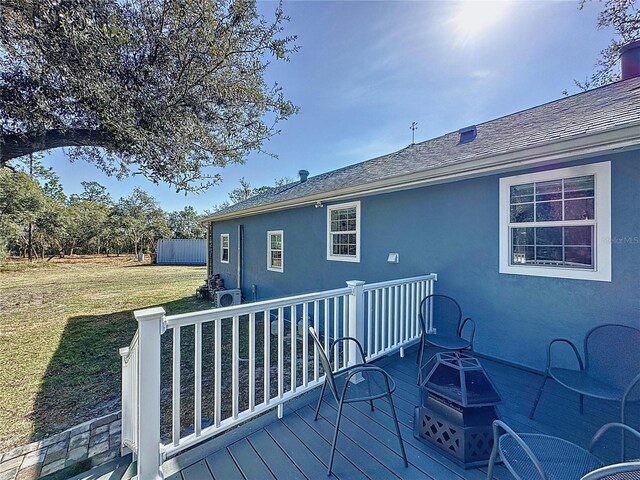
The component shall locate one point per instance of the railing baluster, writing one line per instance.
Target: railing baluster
(316, 326)
(390, 313)
(280, 351)
(252, 361)
(369, 322)
(235, 365)
(266, 370)
(305, 344)
(403, 315)
(326, 327)
(197, 404)
(217, 362)
(383, 326)
(176, 387)
(396, 319)
(376, 323)
(336, 333)
(345, 329)
(414, 311)
(294, 344)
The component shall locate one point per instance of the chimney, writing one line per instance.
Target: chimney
(630, 60)
(303, 174)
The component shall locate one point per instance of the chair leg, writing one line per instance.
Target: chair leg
(622, 443)
(324, 386)
(581, 404)
(371, 402)
(335, 437)
(395, 420)
(535, 403)
(492, 459)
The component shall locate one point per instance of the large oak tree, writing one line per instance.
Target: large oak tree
(164, 88)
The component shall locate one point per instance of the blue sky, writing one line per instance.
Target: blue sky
(366, 70)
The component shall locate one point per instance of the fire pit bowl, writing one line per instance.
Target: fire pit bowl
(457, 408)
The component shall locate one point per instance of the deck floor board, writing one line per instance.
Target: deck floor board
(297, 447)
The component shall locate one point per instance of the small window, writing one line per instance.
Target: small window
(343, 232)
(557, 223)
(224, 248)
(275, 251)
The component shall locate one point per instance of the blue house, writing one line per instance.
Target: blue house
(532, 221)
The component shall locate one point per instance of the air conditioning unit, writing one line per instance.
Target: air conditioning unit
(226, 298)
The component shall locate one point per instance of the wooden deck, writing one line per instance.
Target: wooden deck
(296, 447)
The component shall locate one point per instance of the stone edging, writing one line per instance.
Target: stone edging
(75, 450)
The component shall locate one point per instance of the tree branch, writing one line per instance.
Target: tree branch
(20, 144)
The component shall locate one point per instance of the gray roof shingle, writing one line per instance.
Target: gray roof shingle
(594, 111)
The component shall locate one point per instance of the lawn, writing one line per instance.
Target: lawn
(61, 325)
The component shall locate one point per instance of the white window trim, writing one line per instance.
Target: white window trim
(223, 235)
(269, 267)
(343, 258)
(602, 234)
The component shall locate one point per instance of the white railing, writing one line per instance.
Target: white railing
(130, 404)
(226, 365)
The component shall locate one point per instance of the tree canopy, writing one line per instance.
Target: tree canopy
(162, 88)
(624, 17)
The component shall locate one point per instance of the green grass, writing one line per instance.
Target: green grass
(60, 329)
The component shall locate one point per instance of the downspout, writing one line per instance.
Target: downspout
(240, 241)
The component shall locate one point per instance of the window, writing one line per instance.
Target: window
(224, 248)
(275, 251)
(557, 223)
(343, 232)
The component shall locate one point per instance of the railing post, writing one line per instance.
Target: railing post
(356, 318)
(150, 329)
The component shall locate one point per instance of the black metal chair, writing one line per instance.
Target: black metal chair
(444, 314)
(531, 456)
(610, 371)
(358, 383)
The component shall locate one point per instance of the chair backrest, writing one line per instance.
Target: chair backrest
(326, 365)
(612, 354)
(444, 313)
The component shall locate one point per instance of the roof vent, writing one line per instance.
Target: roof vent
(630, 60)
(303, 174)
(467, 134)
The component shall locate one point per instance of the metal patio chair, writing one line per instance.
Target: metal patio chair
(359, 383)
(445, 315)
(610, 371)
(531, 456)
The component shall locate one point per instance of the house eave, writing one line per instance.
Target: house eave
(615, 139)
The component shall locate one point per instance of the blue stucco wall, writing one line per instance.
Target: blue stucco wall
(452, 229)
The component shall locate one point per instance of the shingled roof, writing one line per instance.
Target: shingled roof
(595, 111)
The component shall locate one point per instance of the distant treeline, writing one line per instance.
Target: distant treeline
(38, 220)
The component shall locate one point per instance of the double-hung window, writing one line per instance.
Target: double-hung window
(343, 232)
(557, 223)
(224, 248)
(275, 250)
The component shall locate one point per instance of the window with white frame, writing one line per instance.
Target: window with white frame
(275, 250)
(557, 223)
(224, 248)
(343, 232)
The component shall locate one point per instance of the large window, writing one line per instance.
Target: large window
(343, 232)
(224, 248)
(557, 223)
(275, 250)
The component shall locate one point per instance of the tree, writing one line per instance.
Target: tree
(163, 88)
(245, 191)
(624, 17)
(93, 192)
(141, 219)
(185, 224)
